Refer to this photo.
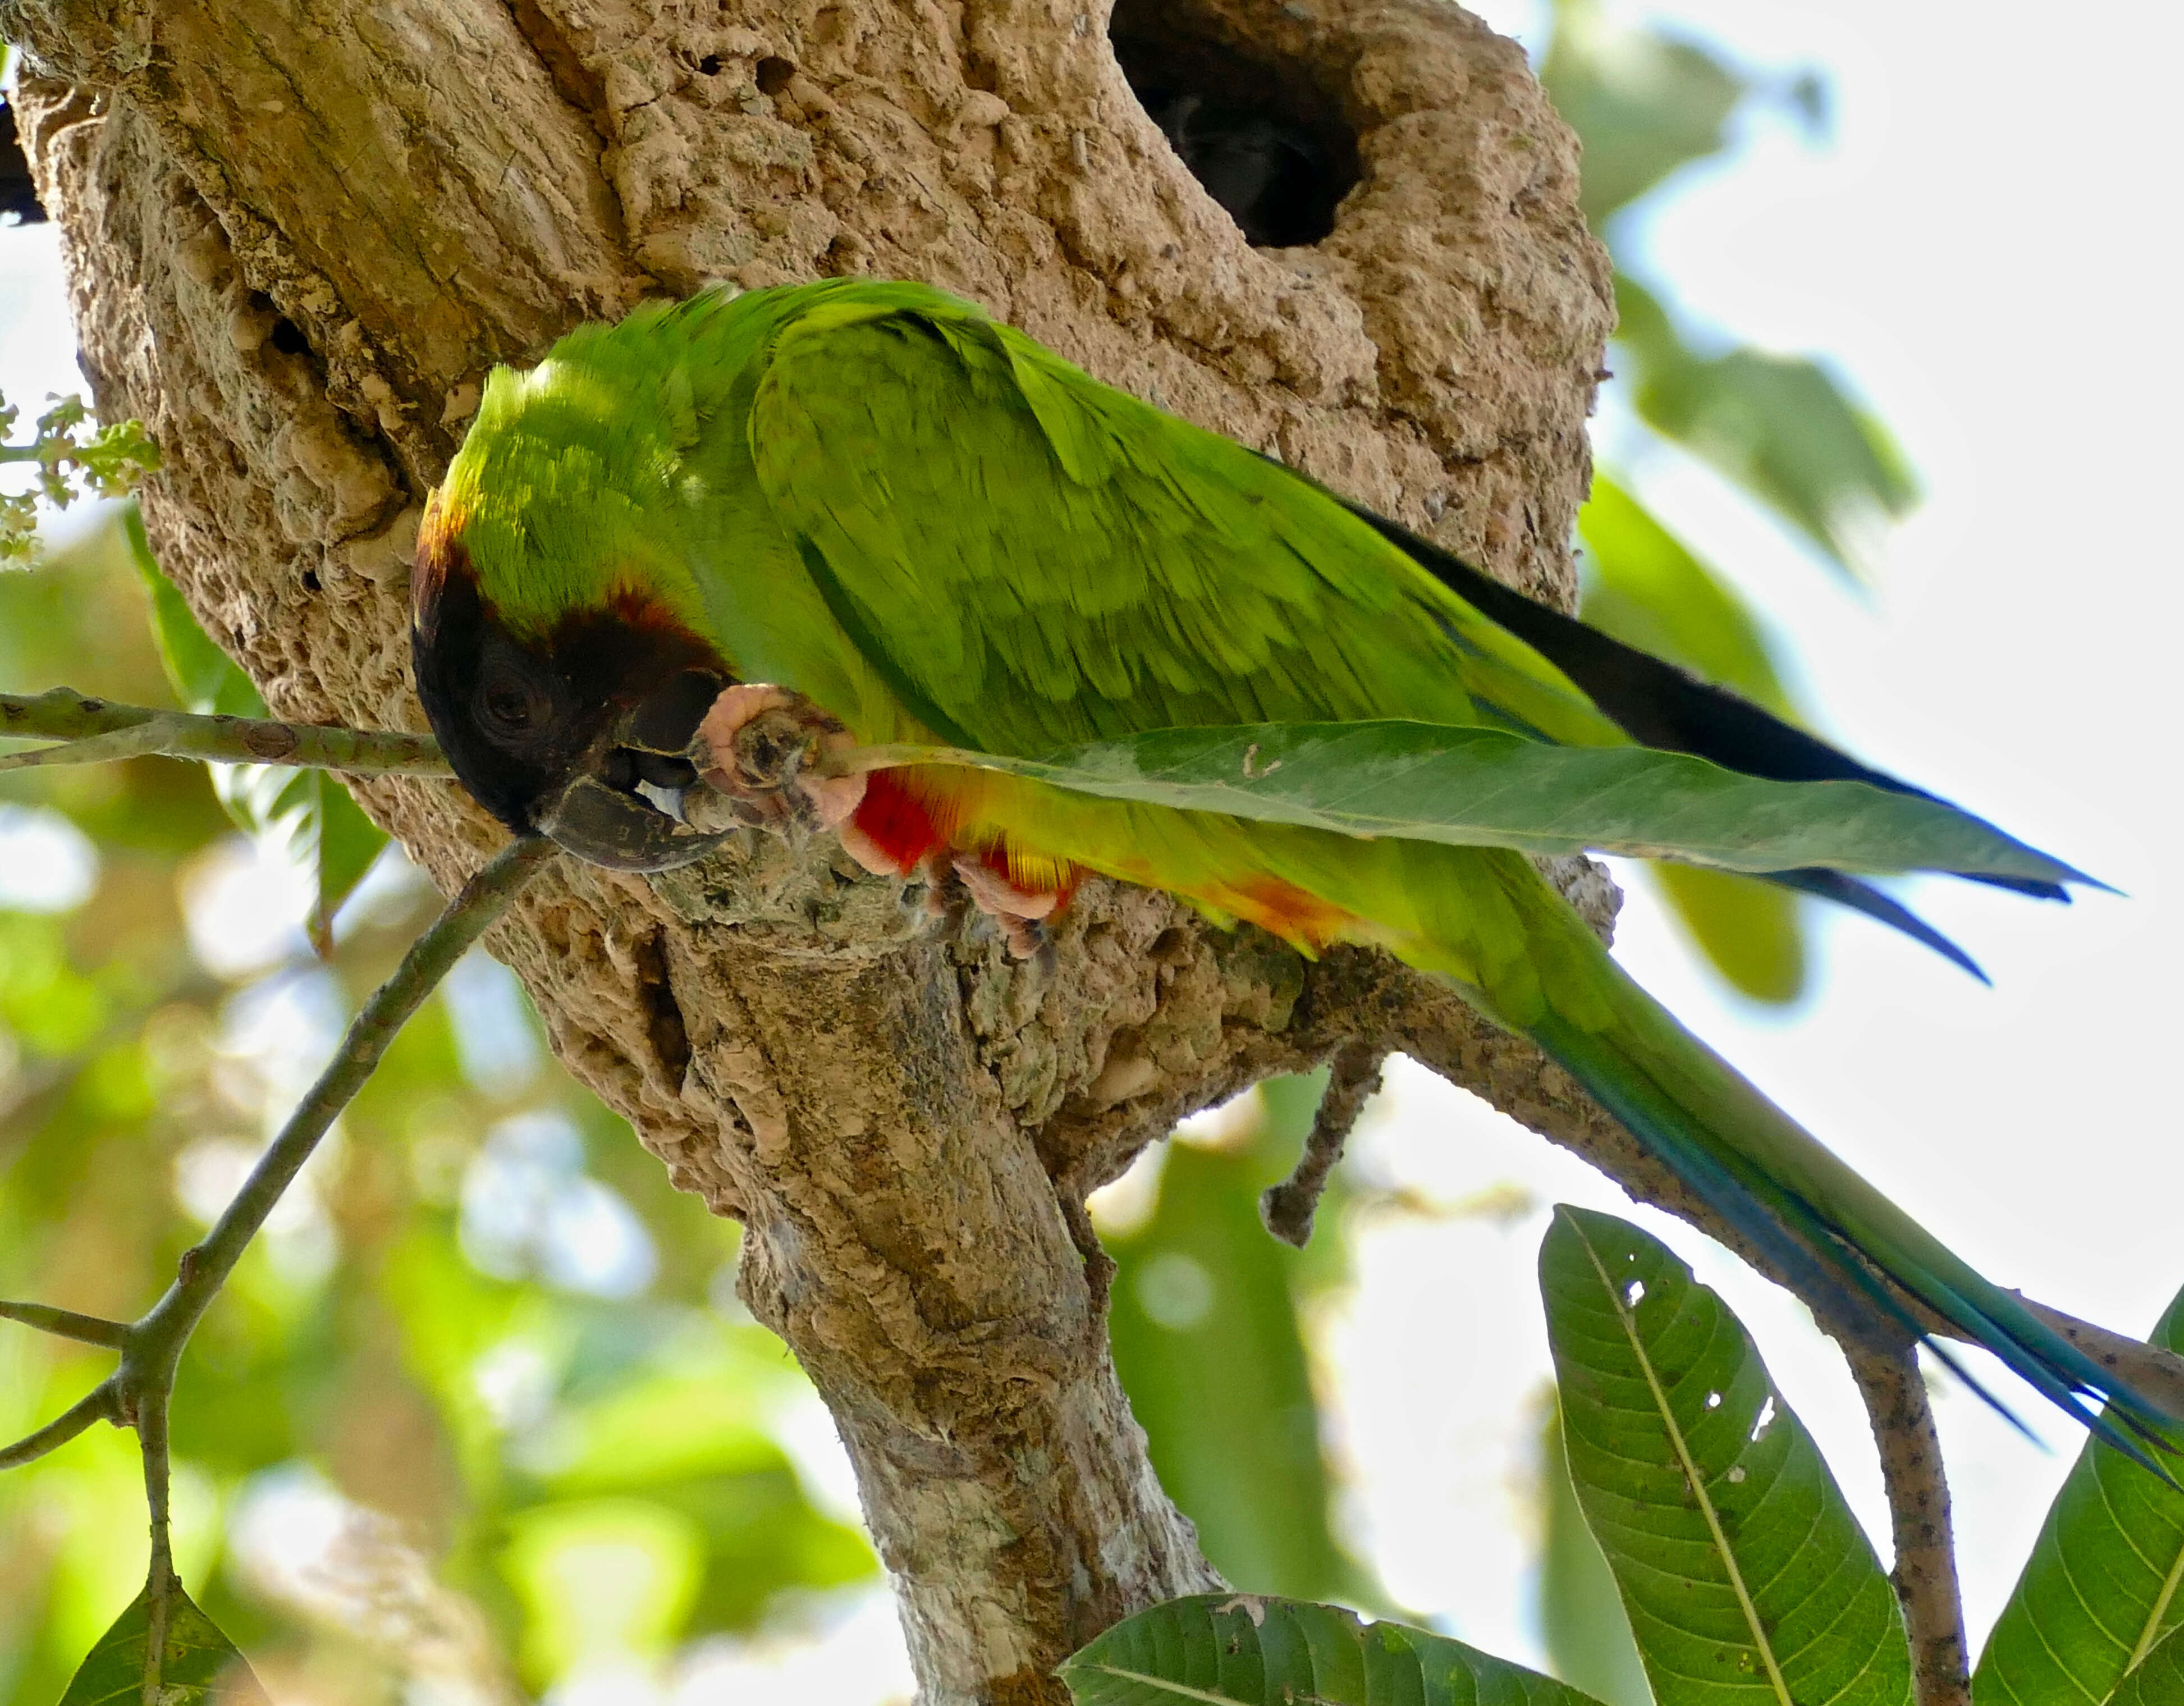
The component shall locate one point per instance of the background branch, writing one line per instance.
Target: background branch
(94, 730)
(66, 1323)
(1925, 1575)
(137, 1394)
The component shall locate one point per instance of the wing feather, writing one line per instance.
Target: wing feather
(1045, 560)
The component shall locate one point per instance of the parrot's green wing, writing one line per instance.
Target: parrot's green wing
(1043, 561)
(1033, 560)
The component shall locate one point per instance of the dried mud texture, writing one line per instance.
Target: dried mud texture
(299, 233)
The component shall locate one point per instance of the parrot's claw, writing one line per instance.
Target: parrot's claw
(753, 751)
(1021, 915)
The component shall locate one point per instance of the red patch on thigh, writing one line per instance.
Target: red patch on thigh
(900, 822)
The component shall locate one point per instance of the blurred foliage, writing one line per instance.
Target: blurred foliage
(1210, 1346)
(1782, 430)
(473, 1416)
(469, 1415)
(325, 833)
(1643, 585)
(69, 458)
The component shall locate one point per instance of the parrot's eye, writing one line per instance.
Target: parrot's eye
(511, 704)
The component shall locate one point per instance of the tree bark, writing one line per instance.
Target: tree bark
(299, 233)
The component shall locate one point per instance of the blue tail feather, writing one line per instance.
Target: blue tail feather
(1822, 1259)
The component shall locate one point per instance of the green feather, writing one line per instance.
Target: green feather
(875, 495)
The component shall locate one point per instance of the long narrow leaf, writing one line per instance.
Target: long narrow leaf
(1252, 1651)
(2104, 1586)
(1480, 787)
(1746, 1576)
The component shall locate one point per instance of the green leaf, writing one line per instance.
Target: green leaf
(1748, 931)
(199, 1663)
(1581, 1617)
(1262, 1651)
(2104, 1585)
(1207, 1342)
(1643, 586)
(205, 678)
(1642, 104)
(1781, 427)
(2159, 1680)
(1480, 787)
(1745, 1575)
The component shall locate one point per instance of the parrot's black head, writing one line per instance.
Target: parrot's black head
(578, 735)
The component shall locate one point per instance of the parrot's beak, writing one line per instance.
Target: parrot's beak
(626, 832)
(623, 807)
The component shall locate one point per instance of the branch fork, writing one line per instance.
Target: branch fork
(137, 1393)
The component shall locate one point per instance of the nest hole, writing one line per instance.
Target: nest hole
(1260, 134)
(18, 195)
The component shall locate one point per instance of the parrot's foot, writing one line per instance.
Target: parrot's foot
(1021, 915)
(752, 750)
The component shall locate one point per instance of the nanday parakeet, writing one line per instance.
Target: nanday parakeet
(935, 531)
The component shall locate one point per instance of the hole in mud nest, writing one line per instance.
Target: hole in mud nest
(18, 196)
(1260, 136)
(288, 338)
(772, 75)
(311, 580)
(709, 66)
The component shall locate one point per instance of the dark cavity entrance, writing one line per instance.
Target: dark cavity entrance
(1259, 134)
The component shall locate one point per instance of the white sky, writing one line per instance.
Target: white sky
(1982, 252)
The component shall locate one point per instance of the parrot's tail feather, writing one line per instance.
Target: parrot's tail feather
(1863, 897)
(1767, 1177)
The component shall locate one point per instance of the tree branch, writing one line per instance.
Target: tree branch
(92, 731)
(1925, 1574)
(2156, 1375)
(1353, 1080)
(138, 1392)
(66, 1323)
(97, 1405)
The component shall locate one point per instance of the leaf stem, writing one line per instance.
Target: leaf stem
(66, 1323)
(155, 1341)
(159, 1582)
(1353, 1080)
(93, 730)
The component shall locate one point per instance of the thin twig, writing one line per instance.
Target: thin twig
(93, 730)
(1353, 1079)
(98, 1405)
(155, 1342)
(1925, 1574)
(66, 1323)
(137, 1393)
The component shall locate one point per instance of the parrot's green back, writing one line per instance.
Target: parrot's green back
(933, 528)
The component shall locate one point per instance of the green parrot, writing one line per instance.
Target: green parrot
(870, 505)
